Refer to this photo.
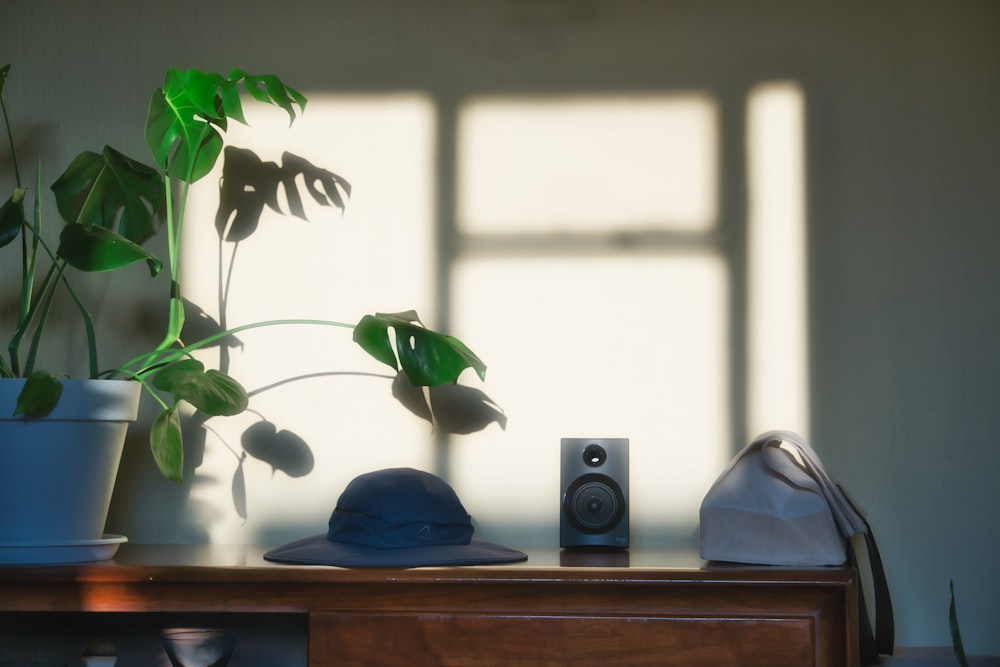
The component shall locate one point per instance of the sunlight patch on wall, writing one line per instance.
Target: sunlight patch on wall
(378, 256)
(599, 339)
(630, 347)
(544, 164)
(778, 373)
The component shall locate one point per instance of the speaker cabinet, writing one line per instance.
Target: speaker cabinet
(594, 479)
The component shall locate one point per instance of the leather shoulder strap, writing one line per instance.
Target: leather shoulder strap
(876, 638)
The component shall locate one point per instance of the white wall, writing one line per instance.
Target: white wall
(901, 146)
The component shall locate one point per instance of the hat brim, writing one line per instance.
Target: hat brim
(318, 550)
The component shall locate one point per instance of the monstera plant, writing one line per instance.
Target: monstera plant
(110, 204)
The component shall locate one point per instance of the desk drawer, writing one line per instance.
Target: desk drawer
(482, 640)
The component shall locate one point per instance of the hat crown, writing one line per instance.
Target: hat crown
(399, 507)
(398, 517)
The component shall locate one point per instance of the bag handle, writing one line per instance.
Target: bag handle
(852, 524)
(882, 640)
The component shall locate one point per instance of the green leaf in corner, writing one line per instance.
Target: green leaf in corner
(167, 444)
(211, 391)
(956, 635)
(100, 249)
(39, 395)
(427, 357)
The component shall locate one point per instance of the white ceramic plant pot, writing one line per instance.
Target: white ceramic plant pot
(57, 473)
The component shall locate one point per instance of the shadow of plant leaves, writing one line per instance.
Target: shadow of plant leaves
(282, 450)
(462, 410)
(239, 490)
(199, 325)
(411, 397)
(249, 184)
(454, 408)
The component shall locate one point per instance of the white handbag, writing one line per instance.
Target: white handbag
(775, 504)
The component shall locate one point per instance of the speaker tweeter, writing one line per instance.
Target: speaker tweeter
(594, 480)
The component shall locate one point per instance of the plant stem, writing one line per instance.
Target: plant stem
(45, 302)
(10, 134)
(46, 294)
(30, 260)
(27, 267)
(175, 315)
(148, 388)
(175, 250)
(44, 299)
(150, 362)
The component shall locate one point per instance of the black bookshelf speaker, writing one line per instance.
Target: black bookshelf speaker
(594, 481)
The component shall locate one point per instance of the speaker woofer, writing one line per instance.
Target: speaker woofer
(594, 503)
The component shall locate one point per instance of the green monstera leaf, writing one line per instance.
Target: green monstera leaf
(100, 249)
(211, 391)
(427, 358)
(39, 395)
(12, 217)
(111, 191)
(167, 444)
(186, 115)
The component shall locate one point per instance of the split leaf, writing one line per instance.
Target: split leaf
(111, 191)
(189, 113)
(427, 357)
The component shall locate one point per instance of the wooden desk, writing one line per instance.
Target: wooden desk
(642, 607)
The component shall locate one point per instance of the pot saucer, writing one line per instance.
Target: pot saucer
(78, 551)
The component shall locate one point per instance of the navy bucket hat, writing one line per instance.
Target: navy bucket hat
(398, 517)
